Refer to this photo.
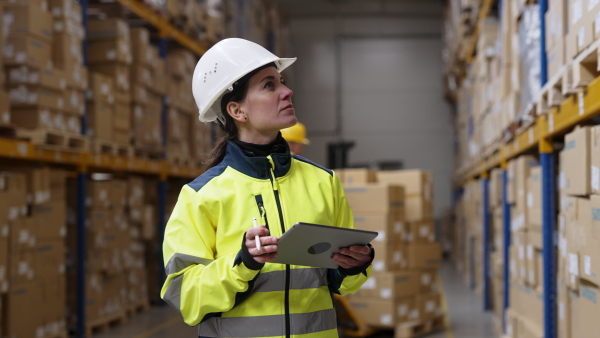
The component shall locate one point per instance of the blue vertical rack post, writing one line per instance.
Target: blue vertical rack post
(162, 183)
(543, 58)
(487, 304)
(81, 212)
(548, 237)
(506, 246)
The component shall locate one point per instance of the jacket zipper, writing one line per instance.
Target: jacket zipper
(287, 266)
(261, 210)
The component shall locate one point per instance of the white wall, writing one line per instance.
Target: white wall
(392, 98)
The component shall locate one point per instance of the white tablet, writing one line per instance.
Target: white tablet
(313, 244)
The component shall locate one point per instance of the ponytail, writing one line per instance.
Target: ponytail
(238, 94)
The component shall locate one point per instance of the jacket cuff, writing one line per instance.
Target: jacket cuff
(359, 269)
(245, 257)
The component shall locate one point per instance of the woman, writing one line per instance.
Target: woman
(217, 276)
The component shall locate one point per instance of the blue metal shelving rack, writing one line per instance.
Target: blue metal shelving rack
(487, 302)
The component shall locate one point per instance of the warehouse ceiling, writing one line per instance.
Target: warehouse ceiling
(315, 8)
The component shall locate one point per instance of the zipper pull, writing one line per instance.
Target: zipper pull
(262, 214)
(275, 184)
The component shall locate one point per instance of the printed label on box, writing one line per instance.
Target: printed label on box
(402, 310)
(386, 319)
(573, 264)
(371, 283)
(385, 293)
(587, 265)
(529, 200)
(595, 178)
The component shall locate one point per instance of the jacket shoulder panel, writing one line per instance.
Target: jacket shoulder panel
(207, 176)
(305, 160)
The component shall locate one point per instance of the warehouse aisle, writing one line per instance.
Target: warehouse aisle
(466, 318)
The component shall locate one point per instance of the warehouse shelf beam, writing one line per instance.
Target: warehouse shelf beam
(24, 150)
(548, 237)
(164, 27)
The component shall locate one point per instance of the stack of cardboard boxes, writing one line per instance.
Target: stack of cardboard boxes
(42, 59)
(399, 207)
(115, 224)
(148, 85)
(524, 191)
(578, 270)
(32, 257)
(496, 216)
(109, 53)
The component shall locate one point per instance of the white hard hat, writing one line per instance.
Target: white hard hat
(221, 66)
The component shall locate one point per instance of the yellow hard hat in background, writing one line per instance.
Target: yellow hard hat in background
(295, 133)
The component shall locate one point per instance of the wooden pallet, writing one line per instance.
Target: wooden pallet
(53, 139)
(418, 329)
(134, 309)
(100, 146)
(554, 91)
(104, 324)
(181, 160)
(584, 68)
(150, 153)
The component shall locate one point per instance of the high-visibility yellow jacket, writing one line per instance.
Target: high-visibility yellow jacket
(207, 280)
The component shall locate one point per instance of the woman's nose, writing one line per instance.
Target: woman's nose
(287, 93)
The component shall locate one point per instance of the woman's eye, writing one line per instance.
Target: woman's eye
(269, 85)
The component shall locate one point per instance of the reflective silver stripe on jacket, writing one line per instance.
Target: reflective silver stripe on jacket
(268, 326)
(177, 263)
(180, 261)
(307, 278)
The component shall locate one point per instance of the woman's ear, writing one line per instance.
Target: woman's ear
(234, 109)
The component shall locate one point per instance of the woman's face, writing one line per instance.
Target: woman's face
(268, 103)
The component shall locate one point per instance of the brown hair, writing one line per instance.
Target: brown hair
(238, 94)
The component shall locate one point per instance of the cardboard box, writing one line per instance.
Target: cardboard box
(102, 88)
(23, 235)
(419, 232)
(119, 72)
(140, 95)
(100, 121)
(53, 79)
(585, 322)
(28, 51)
(590, 243)
(23, 313)
(350, 177)
(109, 29)
(4, 107)
(424, 255)
(387, 258)
(389, 226)
(556, 57)
(594, 159)
(140, 43)
(3, 265)
(52, 220)
(74, 102)
(26, 96)
(31, 118)
(109, 51)
(429, 305)
(141, 76)
(22, 20)
(415, 182)
(390, 285)
(118, 193)
(66, 49)
(21, 270)
(122, 117)
(427, 281)
(49, 259)
(495, 187)
(385, 313)
(576, 176)
(76, 75)
(376, 198)
(149, 222)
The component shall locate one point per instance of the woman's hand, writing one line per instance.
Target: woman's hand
(353, 256)
(268, 244)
